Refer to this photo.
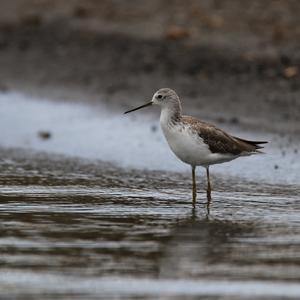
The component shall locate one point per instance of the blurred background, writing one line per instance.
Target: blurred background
(239, 58)
(95, 200)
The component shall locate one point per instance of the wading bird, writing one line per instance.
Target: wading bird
(195, 142)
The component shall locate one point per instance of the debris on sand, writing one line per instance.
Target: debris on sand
(290, 72)
(154, 128)
(44, 135)
(176, 33)
(80, 12)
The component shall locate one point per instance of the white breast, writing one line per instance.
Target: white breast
(189, 147)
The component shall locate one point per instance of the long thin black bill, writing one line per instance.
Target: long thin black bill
(147, 104)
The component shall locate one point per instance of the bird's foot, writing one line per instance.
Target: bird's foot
(194, 203)
(208, 196)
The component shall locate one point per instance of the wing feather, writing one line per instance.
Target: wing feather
(218, 140)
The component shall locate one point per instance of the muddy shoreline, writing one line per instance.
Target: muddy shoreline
(224, 85)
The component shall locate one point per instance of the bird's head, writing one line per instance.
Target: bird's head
(164, 97)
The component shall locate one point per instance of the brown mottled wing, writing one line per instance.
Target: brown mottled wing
(218, 140)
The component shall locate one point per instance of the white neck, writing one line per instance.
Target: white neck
(170, 114)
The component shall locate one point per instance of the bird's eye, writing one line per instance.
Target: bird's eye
(159, 96)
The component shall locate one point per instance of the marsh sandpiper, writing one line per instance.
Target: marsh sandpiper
(195, 142)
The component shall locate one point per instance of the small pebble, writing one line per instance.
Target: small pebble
(234, 120)
(176, 33)
(44, 135)
(153, 128)
(276, 167)
(80, 12)
(290, 72)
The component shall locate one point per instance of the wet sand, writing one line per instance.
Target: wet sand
(254, 87)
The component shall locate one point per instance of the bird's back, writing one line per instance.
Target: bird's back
(219, 141)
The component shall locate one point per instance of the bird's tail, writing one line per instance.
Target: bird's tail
(255, 144)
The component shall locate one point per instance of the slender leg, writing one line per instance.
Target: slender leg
(208, 191)
(194, 186)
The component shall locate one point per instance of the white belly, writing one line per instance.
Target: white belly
(189, 147)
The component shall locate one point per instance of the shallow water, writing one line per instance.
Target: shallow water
(101, 226)
(74, 229)
(134, 140)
